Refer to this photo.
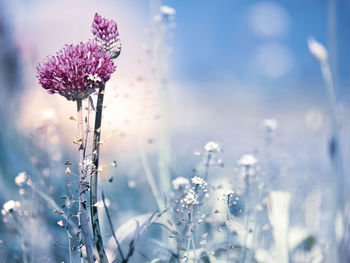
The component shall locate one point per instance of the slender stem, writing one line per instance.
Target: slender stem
(150, 177)
(189, 238)
(188, 248)
(247, 213)
(94, 178)
(82, 186)
(207, 165)
(112, 228)
(68, 235)
(229, 229)
(193, 248)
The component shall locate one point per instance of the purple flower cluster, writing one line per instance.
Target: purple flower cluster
(76, 71)
(106, 34)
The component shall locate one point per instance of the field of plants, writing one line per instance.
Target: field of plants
(173, 131)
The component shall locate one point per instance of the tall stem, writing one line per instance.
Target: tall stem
(94, 178)
(247, 214)
(82, 186)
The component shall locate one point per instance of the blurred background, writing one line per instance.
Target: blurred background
(212, 71)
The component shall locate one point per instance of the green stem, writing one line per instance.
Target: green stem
(82, 186)
(94, 178)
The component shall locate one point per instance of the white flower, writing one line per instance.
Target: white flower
(10, 205)
(167, 10)
(247, 160)
(270, 124)
(228, 193)
(180, 182)
(190, 199)
(317, 50)
(212, 147)
(198, 180)
(21, 178)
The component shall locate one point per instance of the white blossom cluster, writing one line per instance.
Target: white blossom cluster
(247, 160)
(199, 182)
(190, 199)
(212, 147)
(270, 125)
(10, 206)
(21, 179)
(180, 182)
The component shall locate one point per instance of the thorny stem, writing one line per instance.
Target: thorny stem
(82, 186)
(94, 178)
(68, 234)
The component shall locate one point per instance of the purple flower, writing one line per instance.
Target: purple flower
(106, 34)
(76, 71)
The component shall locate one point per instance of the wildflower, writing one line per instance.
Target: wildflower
(106, 34)
(317, 50)
(212, 147)
(190, 199)
(270, 124)
(21, 178)
(10, 206)
(76, 71)
(247, 160)
(180, 182)
(167, 10)
(198, 180)
(228, 193)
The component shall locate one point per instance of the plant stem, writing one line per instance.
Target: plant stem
(229, 228)
(68, 235)
(150, 177)
(94, 178)
(82, 186)
(112, 229)
(247, 215)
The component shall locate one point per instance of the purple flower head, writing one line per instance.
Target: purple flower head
(106, 34)
(76, 71)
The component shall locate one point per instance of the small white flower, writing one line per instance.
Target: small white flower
(228, 193)
(180, 182)
(190, 199)
(10, 205)
(198, 180)
(317, 50)
(270, 124)
(167, 10)
(21, 178)
(247, 160)
(212, 147)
